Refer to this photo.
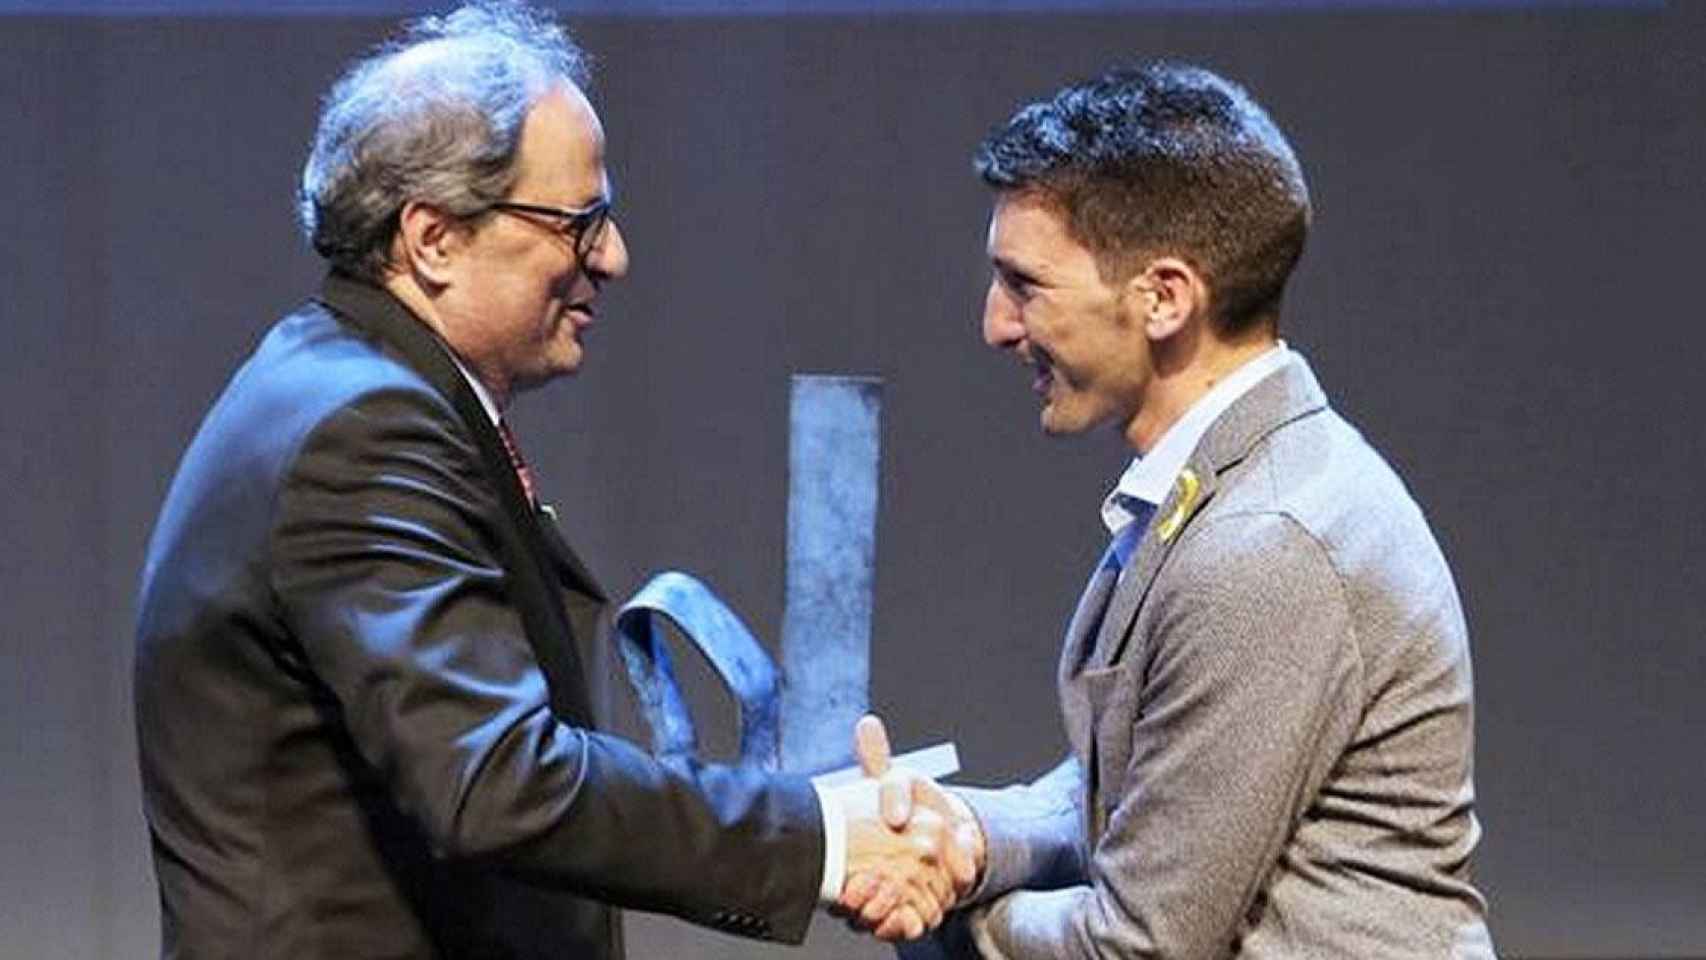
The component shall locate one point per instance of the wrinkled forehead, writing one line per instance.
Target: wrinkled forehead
(562, 149)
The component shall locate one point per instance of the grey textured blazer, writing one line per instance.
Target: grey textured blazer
(1271, 729)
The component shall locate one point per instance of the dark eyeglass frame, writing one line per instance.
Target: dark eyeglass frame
(583, 227)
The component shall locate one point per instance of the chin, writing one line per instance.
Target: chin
(564, 362)
(545, 373)
(1054, 427)
(1058, 423)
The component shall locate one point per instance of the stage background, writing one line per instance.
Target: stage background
(1499, 291)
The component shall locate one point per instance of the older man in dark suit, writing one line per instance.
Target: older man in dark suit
(362, 713)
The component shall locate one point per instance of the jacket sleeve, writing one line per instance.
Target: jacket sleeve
(1248, 692)
(386, 571)
(1033, 832)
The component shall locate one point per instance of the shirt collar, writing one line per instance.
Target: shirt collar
(486, 402)
(1150, 476)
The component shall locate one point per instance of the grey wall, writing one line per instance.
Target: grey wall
(1499, 291)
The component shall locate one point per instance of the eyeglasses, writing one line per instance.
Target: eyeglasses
(583, 227)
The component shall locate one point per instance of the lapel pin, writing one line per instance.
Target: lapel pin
(548, 511)
(1184, 501)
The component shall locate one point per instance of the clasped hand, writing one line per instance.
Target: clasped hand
(913, 848)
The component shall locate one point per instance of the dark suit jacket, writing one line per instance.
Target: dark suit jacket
(362, 718)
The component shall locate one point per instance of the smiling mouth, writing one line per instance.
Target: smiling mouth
(1042, 370)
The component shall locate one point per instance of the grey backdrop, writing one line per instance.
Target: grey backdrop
(1499, 290)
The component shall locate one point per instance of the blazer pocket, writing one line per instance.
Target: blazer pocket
(1111, 695)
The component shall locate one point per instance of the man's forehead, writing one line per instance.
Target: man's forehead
(562, 146)
(1019, 222)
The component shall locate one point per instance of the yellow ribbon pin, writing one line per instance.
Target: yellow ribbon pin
(1183, 503)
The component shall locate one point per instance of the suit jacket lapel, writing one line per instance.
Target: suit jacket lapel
(1087, 616)
(1146, 562)
(1075, 708)
(569, 564)
(533, 562)
(1277, 399)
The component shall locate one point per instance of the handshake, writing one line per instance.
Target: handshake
(913, 848)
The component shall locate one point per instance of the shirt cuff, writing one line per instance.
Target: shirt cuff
(977, 920)
(834, 844)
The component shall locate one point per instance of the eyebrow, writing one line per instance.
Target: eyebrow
(1010, 268)
(605, 191)
(586, 201)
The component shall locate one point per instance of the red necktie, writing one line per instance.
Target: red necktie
(521, 470)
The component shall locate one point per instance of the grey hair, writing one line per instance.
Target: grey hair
(433, 116)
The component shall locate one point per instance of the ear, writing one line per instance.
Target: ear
(1168, 294)
(426, 240)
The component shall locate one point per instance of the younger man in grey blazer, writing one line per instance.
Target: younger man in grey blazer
(1266, 684)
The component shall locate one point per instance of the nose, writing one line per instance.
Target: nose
(1002, 328)
(609, 259)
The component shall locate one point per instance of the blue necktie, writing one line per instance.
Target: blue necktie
(1114, 560)
(1124, 542)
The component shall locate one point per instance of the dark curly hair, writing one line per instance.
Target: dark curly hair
(1165, 159)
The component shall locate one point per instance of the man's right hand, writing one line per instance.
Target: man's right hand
(913, 848)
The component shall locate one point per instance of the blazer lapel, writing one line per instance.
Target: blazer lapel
(569, 565)
(1281, 397)
(533, 563)
(1092, 603)
(1075, 708)
(1182, 503)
